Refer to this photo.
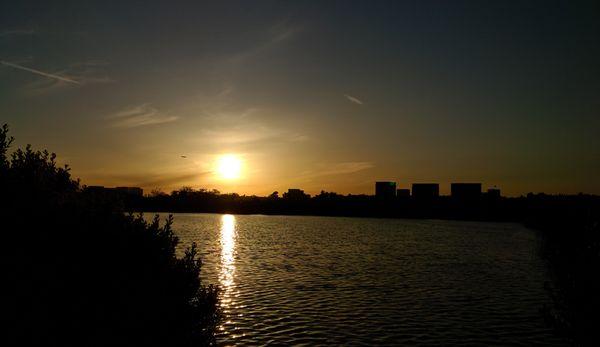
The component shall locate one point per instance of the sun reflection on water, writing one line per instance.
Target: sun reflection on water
(227, 272)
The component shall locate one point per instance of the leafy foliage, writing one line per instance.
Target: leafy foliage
(5, 142)
(80, 271)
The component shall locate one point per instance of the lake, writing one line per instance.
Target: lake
(332, 281)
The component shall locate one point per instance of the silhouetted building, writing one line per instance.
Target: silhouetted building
(493, 193)
(403, 193)
(295, 194)
(95, 189)
(133, 191)
(129, 191)
(385, 190)
(425, 191)
(465, 191)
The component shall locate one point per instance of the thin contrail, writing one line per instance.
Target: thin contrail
(353, 99)
(38, 72)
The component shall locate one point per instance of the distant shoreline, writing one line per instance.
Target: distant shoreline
(327, 215)
(531, 209)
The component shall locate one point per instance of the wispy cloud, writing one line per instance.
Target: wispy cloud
(73, 76)
(86, 73)
(223, 115)
(138, 116)
(353, 99)
(245, 132)
(89, 72)
(333, 170)
(277, 34)
(343, 168)
(16, 32)
(283, 31)
(251, 135)
(41, 73)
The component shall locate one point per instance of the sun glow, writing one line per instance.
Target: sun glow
(229, 167)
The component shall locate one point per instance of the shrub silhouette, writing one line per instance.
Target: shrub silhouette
(572, 247)
(80, 271)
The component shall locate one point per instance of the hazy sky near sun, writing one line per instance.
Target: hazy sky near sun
(318, 95)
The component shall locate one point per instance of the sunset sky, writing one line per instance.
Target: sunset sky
(321, 95)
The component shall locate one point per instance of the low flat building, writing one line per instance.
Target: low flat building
(129, 191)
(465, 191)
(133, 191)
(493, 193)
(403, 193)
(425, 191)
(95, 189)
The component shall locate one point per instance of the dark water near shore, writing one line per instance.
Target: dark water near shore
(323, 280)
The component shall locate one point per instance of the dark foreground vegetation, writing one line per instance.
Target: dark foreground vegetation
(79, 271)
(571, 235)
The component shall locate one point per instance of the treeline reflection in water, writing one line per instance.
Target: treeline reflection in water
(332, 280)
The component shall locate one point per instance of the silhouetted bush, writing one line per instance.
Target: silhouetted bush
(572, 248)
(79, 271)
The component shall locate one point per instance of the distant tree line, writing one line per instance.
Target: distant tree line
(517, 209)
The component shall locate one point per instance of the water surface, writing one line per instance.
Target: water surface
(328, 280)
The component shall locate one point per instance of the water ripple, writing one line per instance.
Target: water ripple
(333, 281)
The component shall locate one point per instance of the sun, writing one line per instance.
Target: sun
(229, 167)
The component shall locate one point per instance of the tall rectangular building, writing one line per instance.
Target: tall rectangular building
(385, 190)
